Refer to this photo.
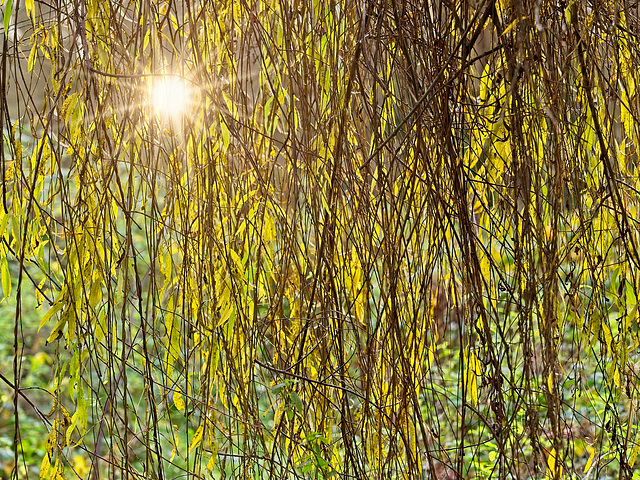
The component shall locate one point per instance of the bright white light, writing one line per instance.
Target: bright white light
(170, 96)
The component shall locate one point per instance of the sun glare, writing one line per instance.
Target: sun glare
(170, 96)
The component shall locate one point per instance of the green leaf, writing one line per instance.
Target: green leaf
(295, 398)
(276, 389)
(79, 419)
(7, 16)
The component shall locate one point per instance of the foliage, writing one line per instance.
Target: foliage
(382, 239)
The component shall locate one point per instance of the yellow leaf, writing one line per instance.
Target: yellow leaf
(474, 370)
(554, 470)
(6, 279)
(607, 335)
(592, 456)
(147, 37)
(45, 466)
(95, 294)
(56, 333)
(616, 377)
(567, 12)
(52, 311)
(277, 415)
(32, 57)
(178, 401)
(197, 439)
(68, 106)
(551, 462)
(632, 458)
(28, 5)
(214, 456)
(81, 466)
(512, 25)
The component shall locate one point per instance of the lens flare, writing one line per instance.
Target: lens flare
(170, 96)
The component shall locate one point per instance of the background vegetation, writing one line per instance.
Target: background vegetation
(383, 240)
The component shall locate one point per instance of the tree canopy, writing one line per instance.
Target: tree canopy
(308, 239)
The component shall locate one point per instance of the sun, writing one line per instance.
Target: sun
(170, 96)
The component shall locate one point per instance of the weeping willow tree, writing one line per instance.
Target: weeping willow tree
(307, 239)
